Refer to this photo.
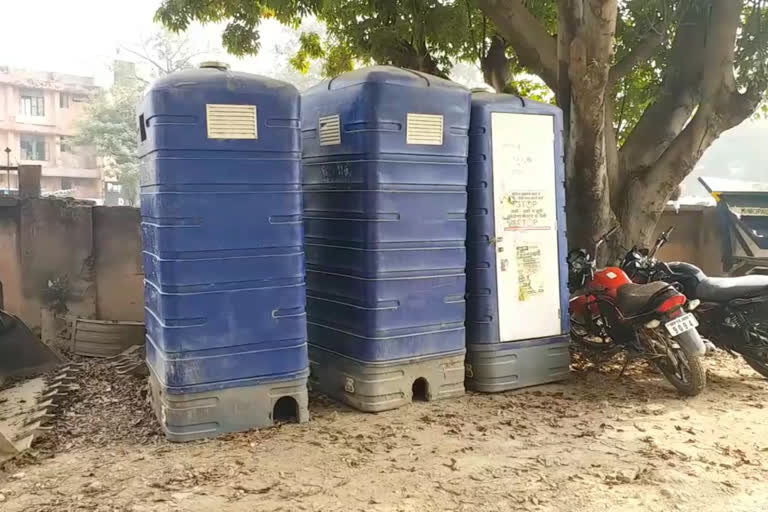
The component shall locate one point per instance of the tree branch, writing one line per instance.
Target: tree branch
(620, 120)
(722, 107)
(641, 53)
(480, 53)
(146, 58)
(485, 33)
(665, 118)
(611, 152)
(535, 48)
(495, 64)
(566, 30)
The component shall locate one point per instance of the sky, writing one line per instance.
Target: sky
(84, 36)
(73, 36)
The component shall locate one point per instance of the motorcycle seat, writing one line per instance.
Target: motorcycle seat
(724, 289)
(635, 299)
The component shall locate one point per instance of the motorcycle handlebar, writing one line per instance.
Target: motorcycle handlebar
(610, 233)
(663, 239)
(605, 238)
(664, 236)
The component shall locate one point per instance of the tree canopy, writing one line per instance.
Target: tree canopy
(110, 127)
(646, 85)
(110, 122)
(428, 35)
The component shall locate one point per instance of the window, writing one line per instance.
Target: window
(63, 100)
(32, 104)
(66, 184)
(32, 147)
(64, 145)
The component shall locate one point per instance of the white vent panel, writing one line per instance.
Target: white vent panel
(425, 129)
(329, 130)
(231, 121)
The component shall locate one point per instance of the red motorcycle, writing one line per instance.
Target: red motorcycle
(609, 312)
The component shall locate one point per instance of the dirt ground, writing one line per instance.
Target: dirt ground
(596, 443)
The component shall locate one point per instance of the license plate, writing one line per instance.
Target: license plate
(682, 324)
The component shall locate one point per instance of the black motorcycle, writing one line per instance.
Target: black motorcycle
(732, 311)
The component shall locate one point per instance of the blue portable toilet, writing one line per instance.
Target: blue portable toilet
(385, 176)
(224, 267)
(517, 293)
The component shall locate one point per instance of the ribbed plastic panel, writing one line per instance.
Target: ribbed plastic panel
(385, 178)
(222, 227)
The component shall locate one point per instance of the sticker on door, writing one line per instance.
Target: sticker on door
(529, 272)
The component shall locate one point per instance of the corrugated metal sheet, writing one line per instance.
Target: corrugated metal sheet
(102, 338)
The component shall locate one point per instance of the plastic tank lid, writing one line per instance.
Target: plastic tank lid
(217, 74)
(214, 64)
(390, 75)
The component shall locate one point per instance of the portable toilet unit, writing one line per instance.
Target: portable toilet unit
(220, 157)
(385, 176)
(517, 294)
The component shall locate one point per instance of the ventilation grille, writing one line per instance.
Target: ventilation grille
(425, 129)
(330, 130)
(232, 121)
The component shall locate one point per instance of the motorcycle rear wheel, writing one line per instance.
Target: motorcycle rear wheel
(760, 365)
(685, 372)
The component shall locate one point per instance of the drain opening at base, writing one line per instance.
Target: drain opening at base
(420, 390)
(286, 410)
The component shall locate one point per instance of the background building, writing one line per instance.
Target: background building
(39, 112)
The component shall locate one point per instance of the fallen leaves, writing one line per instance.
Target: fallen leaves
(105, 409)
(449, 455)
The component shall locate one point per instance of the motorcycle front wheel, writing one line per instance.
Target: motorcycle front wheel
(759, 364)
(756, 351)
(592, 335)
(679, 365)
(592, 342)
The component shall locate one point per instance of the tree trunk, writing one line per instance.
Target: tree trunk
(721, 108)
(534, 47)
(697, 101)
(593, 23)
(418, 59)
(495, 65)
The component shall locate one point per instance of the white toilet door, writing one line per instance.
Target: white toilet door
(525, 205)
